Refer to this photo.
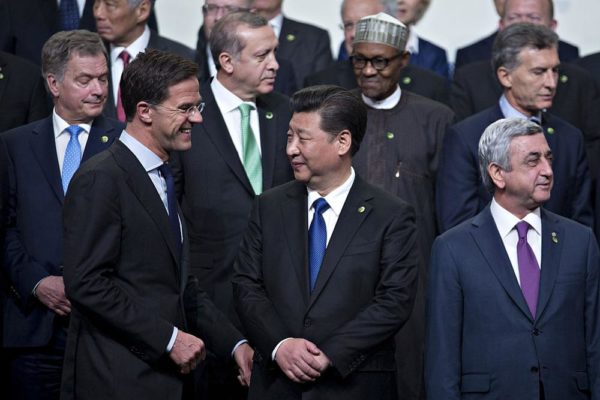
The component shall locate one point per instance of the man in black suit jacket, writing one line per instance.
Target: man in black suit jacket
(591, 63)
(36, 311)
(534, 11)
(25, 25)
(126, 252)
(323, 320)
(123, 24)
(212, 11)
(529, 79)
(305, 46)
(214, 185)
(23, 98)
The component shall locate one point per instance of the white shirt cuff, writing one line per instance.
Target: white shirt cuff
(172, 341)
(274, 353)
(238, 344)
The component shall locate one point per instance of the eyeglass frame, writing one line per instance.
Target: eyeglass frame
(188, 112)
(374, 61)
(213, 9)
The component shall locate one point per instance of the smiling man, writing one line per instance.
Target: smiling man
(42, 158)
(513, 297)
(525, 60)
(322, 304)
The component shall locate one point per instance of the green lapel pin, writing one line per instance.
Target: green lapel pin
(290, 37)
(554, 237)
(406, 80)
(104, 139)
(390, 135)
(269, 115)
(551, 131)
(564, 78)
(361, 209)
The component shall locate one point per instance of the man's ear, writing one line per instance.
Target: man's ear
(144, 112)
(142, 12)
(344, 140)
(496, 174)
(504, 77)
(52, 83)
(225, 60)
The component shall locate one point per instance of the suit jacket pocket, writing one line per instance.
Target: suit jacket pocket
(360, 248)
(475, 383)
(582, 381)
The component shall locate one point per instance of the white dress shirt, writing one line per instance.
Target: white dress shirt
(386, 104)
(228, 104)
(276, 24)
(510, 112)
(505, 223)
(412, 44)
(62, 137)
(116, 64)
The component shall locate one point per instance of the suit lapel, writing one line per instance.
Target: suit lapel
(294, 209)
(216, 130)
(348, 223)
(7, 75)
(101, 136)
(486, 235)
(267, 122)
(44, 148)
(287, 38)
(143, 188)
(551, 254)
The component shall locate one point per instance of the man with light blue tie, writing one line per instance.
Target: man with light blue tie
(42, 158)
(327, 270)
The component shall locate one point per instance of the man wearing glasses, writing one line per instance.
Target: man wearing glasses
(400, 154)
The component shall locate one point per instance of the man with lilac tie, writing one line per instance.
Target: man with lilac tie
(513, 292)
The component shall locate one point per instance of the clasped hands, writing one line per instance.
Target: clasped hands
(301, 360)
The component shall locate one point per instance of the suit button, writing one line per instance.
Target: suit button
(534, 369)
(307, 322)
(536, 332)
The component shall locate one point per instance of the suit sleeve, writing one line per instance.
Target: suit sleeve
(322, 57)
(444, 326)
(592, 319)
(392, 304)
(92, 241)
(255, 309)
(457, 182)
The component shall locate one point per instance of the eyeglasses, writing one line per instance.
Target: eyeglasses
(347, 26)
(189, 112)
(379, 63)
(213, 9)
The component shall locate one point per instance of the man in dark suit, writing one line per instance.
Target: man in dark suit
(529, 80)
(23, 97)
(341, 72)
(126, 252)
(591, 63)
(42, 158)
(322, 304)
(305, 46)
(25, 25)
(513, 307)
(215, 178)
(514, 11)
(212, 11)
(123, 25)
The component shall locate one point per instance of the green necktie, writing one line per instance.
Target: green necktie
(251, 161)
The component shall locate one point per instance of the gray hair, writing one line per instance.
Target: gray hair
(135, 3)
(389, 6)
(494, 145)
(511, 40)
(550, 9)
(224, 37)
(57, 50)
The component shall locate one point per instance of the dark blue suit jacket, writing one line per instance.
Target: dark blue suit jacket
(482, 50)
(482, 340)
(34, 247)
(460, 190)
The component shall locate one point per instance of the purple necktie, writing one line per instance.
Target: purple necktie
(529, 270)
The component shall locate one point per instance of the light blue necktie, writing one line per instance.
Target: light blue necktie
(72, 156)
(317, 240)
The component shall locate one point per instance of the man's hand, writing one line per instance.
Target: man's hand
(243, 357)
(187, 351)
(51, 293)
(323, 361)
(297, 358)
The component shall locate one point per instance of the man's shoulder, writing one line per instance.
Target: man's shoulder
(428, 107)
(20, 133)
(294, 25)
(472, 127)
(162, 43)
(273, 99)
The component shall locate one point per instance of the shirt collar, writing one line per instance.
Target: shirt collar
(510, 112)
(60, 125)
(276, 23)
(337, 197)
(146, 157)
(412, 44)
(226, 100)
(137, 46)
(506, 221)
(388, 103)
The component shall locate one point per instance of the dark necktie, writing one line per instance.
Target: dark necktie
(72, 156)
(165, 171)
(529, 270)
(124, 55)
(68, 15)
(317, 240)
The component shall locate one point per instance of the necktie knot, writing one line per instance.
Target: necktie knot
(165, 171)
(320, 205)
(522, 229)
(245, 109)
(536, 120)
(74, 130)
(124, 55)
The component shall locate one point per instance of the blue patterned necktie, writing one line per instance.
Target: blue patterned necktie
(165, 171)
(68, 15)
(317, 240)
(529, 270)
(72, 156)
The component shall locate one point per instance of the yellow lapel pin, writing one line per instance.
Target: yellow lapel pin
(104, 139)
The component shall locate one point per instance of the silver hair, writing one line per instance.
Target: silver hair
(389, 6)
(494, 145)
